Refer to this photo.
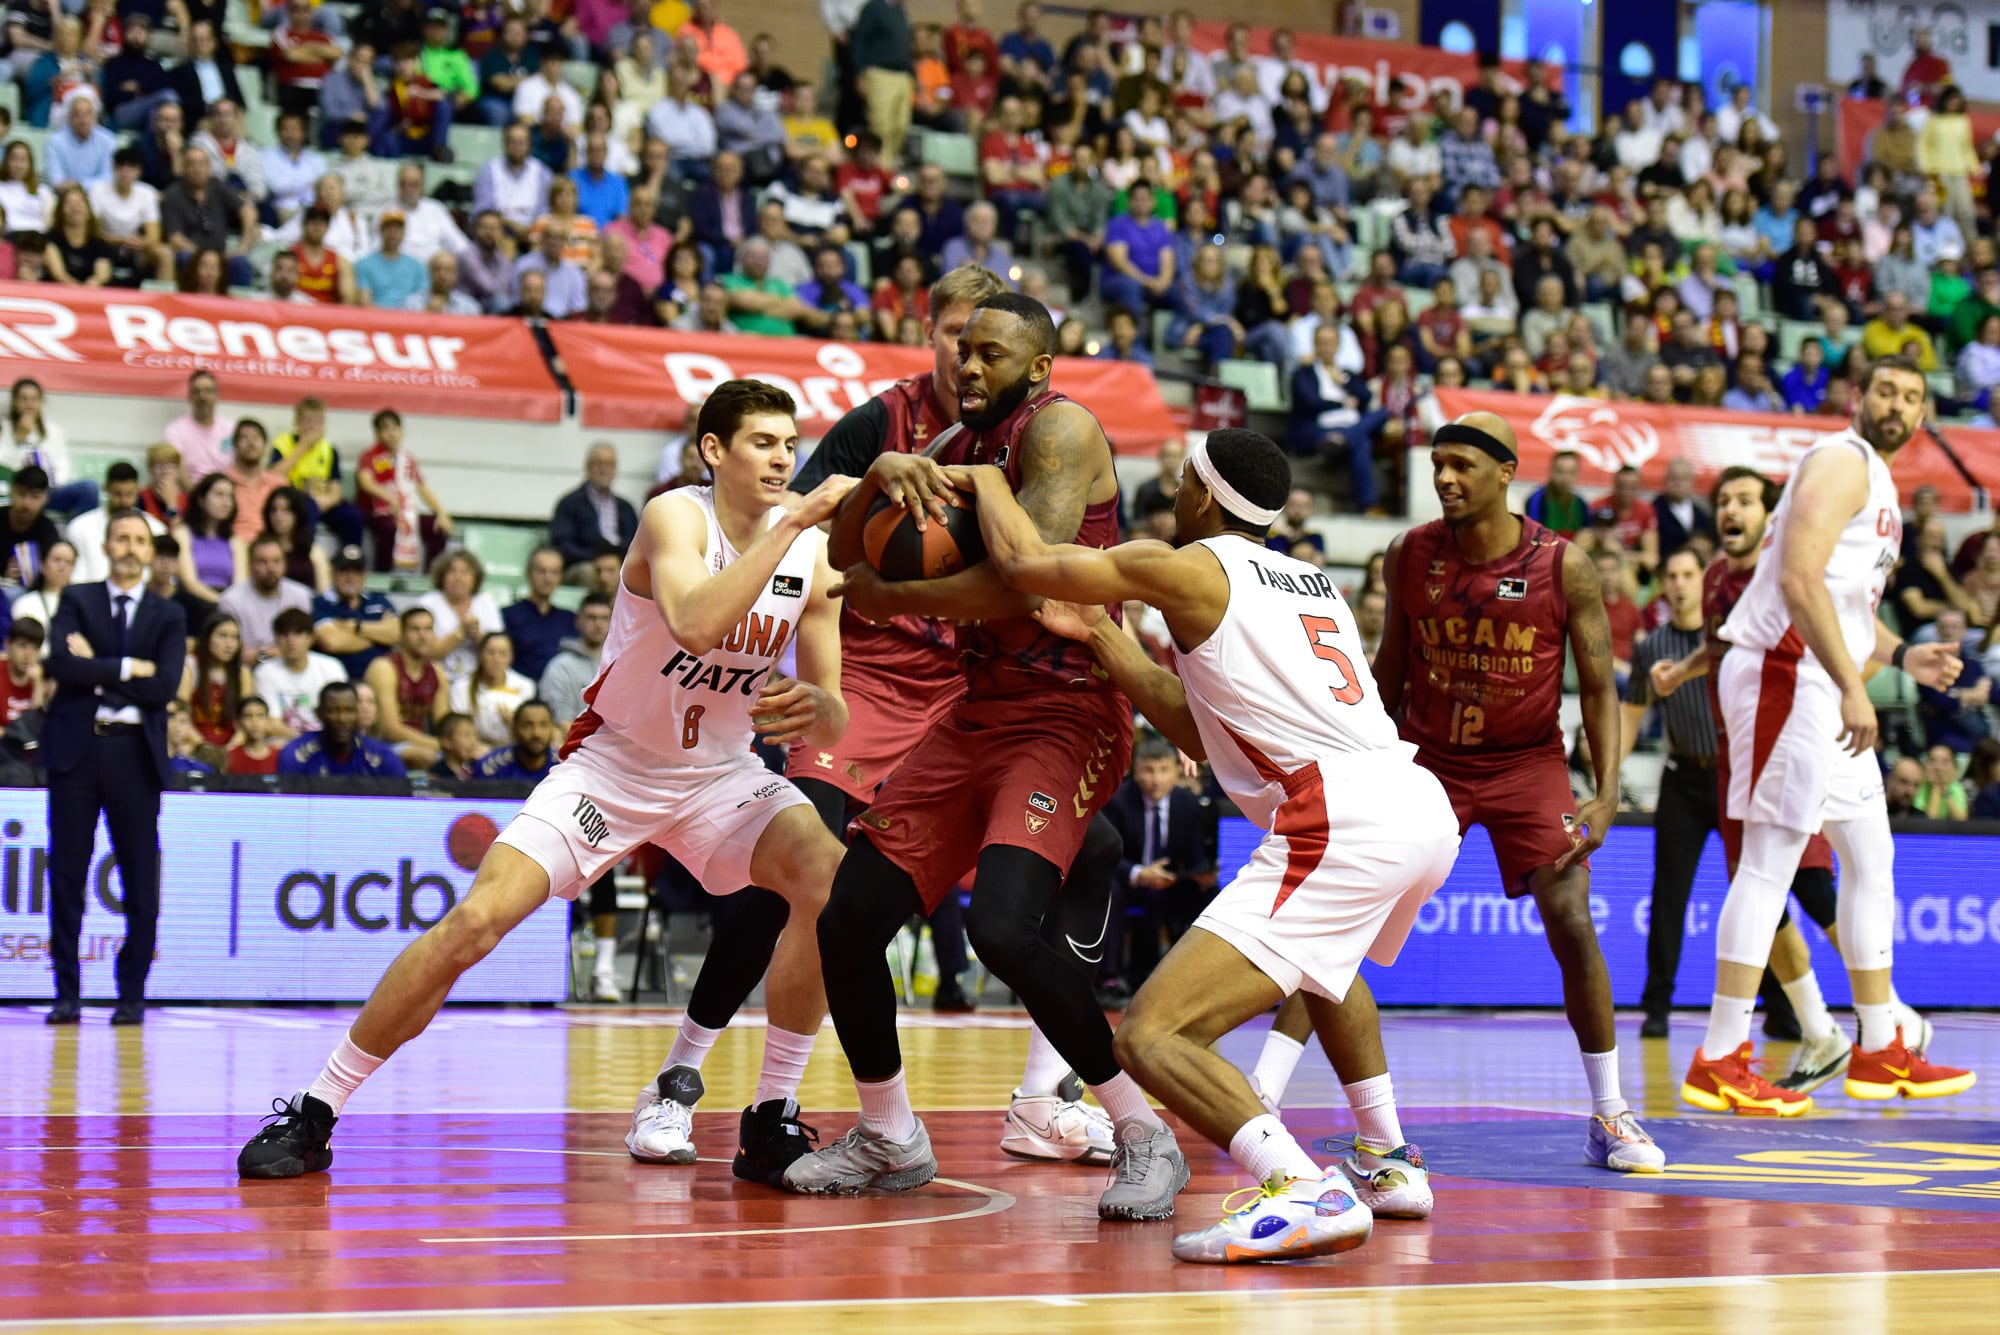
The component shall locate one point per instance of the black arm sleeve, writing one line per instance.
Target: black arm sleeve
(849, 446)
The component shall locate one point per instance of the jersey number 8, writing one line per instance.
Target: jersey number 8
(691, 727)
(1349, 692)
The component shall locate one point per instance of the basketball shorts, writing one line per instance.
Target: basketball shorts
(1356, 849)
(1787, 766)
(1523, 799)
(886, 717)
(1818, 854)
(1024, 771)
(611, 795)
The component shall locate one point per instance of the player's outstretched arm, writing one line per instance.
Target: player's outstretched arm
(1015, 546)
(701, 608)
(1153, 691)
(809, 708)
(1590, 641)
(1392, 656)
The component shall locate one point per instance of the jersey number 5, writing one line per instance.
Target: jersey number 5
(1349, 692)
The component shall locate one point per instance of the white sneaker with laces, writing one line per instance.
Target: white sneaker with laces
(663, 1118)
(1057, 1128)
(1395, 1185)
(1622, 1145)
(1283, 1221)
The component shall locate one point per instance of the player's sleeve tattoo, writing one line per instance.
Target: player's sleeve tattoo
(1056, 472)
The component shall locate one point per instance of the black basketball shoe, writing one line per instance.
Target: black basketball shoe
(293, 1144)
(772, 1136)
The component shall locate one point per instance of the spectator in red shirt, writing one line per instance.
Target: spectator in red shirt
(1628, 622)
(254, 754)
(301, 56)
(1010, 167)
(964, 37)
(1472, 216)
(1630, 520)
(863, 183)
(1927, 71)
(419, 111)
(900, 296)
(974, 90)
(390, 485)
(22, 685)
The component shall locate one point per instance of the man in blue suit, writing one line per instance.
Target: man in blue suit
(116, 652)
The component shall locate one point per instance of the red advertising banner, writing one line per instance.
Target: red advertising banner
(1857, 120)
(113, 341)
(646, 379)
(1610, 434)
(1421, 71)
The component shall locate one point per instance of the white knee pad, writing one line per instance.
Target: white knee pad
(1866, 910)
(1757, 894)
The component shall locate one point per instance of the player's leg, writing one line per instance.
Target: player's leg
(1823, 1051)
(1004, 924)
(1283, 1046)
(1387, 1171)
(1681, 823)
(510, 885)
(604, 932)
(1883, 1065)
(1204, 988)
(1813, 889)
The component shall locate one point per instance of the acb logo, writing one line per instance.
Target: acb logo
(374, 900)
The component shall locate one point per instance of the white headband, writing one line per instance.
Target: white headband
(1231, 499)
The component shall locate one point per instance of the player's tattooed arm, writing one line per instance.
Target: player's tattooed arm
(1062, 453)
(1027, 561)
(1392, 656)
(1590, 643)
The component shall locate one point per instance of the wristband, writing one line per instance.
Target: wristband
(1900, 652)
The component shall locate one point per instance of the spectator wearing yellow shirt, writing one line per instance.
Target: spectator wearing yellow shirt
(808, 134)
(1892, 332)
(1945, 150)
(310, 462)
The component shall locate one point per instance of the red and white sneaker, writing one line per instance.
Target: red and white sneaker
(1732, 1085)
(1899, 1071)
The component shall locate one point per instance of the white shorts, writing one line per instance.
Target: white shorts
(1786, 764)
(612, 795)
(1351, 860)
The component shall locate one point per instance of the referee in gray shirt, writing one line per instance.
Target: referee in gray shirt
(1686, 813)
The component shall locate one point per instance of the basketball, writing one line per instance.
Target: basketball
(898, 551)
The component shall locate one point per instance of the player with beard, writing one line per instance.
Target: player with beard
(1357, 834)
(1802, 730)
(899, 679)
(1007, 782)
(1742, 501)
(1481, 603)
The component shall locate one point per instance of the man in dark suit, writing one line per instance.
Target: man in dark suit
(206, 76)
(593, 516)
(1167, 874)
(116, 652)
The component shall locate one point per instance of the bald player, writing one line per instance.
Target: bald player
(1481, 604)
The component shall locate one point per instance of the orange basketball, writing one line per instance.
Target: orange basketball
(892, 544)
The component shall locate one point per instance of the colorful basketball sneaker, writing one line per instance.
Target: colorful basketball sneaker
(1283, 1221)
(1733, 1085)
(663, 1117)
(1395, 1185)
(1058, 1127)
(1817, 1061)
(1622, 1145)
(1896, 1070)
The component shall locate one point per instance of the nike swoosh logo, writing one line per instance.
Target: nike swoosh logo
(1900, 1075)
(1098, 945)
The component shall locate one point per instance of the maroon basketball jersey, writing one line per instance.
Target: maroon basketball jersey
(1487, 643)
(1014, 655)
(915, 649)
(1720, 588)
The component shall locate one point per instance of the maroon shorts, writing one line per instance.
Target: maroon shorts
(1524, 801)
(1818, 854)
(886, 717)
(1026, 771)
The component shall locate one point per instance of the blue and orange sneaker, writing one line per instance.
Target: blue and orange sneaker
(1283, 1221)
(1732, 1084)
(1622, 1145)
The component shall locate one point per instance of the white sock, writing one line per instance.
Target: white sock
(1276, 1063)
(1266, 1151)
(1728, 1025)
(1815, 1020)
(345, 1070)
(1373, 1103)
(607, 958)
(785, 1055)
(1878, 1025)
(691, 1045)
(1045, 1068)
(885, 1109)
(1126, 1102)
(1601, 1070)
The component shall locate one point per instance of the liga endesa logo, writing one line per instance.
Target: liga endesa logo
(377, 899)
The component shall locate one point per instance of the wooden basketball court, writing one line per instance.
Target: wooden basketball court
(481, 1184)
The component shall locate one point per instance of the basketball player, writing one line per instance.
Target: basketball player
(1273, 690)
(1742, 501)
(1481, 603)
(1008, 781)
(899, 680)
(717, 583)
(1803, 730)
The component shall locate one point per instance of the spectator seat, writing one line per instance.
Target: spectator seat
(1792, 335)
(436, 174)
(1259, 382)
(475, 143)
(568, 597)
(1894, 696)
(956, 153)
(503, 549)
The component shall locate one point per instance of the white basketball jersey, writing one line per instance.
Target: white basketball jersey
(1283, 682)
(695, 709)
(1856, 575)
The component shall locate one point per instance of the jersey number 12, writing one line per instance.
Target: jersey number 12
(1349, 692)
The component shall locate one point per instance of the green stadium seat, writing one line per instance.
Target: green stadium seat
(437, 173)
(864, 264)
(251, 79)
(1602, 322)
(956, 153)
(1792, 334)
(568, 597)
(502, 548)
(1942, 382)
(1259, 382)
(475, 143)
(37, 142)
(1417, 300)
(10, 98)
